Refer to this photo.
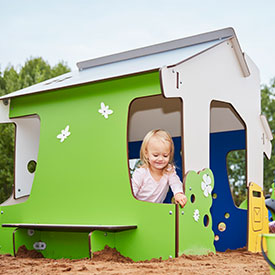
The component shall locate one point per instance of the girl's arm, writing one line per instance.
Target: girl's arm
(177, 188)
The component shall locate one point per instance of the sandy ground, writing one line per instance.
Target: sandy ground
(109, 261)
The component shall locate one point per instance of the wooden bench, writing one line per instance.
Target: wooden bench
(68, 228)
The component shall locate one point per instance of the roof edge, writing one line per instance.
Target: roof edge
(158, 48)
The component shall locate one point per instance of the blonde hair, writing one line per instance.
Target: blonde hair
(164, 137)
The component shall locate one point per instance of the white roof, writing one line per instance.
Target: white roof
(135, 61)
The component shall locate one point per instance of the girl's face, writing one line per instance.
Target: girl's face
(158, 153)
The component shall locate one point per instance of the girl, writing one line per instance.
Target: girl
(151, 181)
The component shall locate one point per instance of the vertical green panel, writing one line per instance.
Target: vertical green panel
(155, 235)
(99, 239)
(195, 221)
(6, 244)
(73, 245)
(22, 237)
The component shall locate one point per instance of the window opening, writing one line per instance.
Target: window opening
(228, 133)
(7, 158)
(236, 168)
(206, 220)
(149, 113)
(27, 145)
(18, 156)
(32, 166)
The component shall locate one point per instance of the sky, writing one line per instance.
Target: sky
(77, 30)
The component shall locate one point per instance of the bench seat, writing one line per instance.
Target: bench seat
(71, 227)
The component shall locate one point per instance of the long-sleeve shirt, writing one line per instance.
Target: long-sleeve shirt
(146, 188)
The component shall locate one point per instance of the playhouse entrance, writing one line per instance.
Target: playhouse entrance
(228, 163)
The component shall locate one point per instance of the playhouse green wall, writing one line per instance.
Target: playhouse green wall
(85, 179)
(195, 229)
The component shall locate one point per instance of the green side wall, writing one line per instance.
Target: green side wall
(85, 179)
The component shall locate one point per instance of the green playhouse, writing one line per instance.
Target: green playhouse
(84, 130)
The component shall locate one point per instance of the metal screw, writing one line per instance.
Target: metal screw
(6, 102)
(170, 257)
(30, 232)
(173, 71)
(170, 212)
(190, 188)
(2, 212)
(182, 212)
(105, 234)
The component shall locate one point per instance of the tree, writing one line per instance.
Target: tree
(268, 109)
(236, 175)
(35, 70)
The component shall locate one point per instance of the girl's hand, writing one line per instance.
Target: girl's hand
(181, 199)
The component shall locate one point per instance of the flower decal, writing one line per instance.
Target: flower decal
(196, 215)
(105, 111)
(64, 134)
(206, 185)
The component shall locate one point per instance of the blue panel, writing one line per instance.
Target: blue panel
(235, 235)
(134, 149)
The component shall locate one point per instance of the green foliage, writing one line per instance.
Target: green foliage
(6, 160)
(236, 170)
(35, 70)
(268, 109)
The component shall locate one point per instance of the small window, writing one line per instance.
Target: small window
(7, 160)
(236, 168)
(19, 144)
(27, 145)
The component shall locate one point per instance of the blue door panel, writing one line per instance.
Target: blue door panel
(223, 209)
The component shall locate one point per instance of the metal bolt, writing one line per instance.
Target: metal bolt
(6, 102)
(170, 212)
(173, 71)
(190, 188)
(182, 212)
(170, 257)
(30, 232)
(2, 212)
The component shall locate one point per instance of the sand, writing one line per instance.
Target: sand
(109, 261)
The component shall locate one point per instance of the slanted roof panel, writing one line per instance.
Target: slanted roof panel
(131, 62)
(158, 48)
